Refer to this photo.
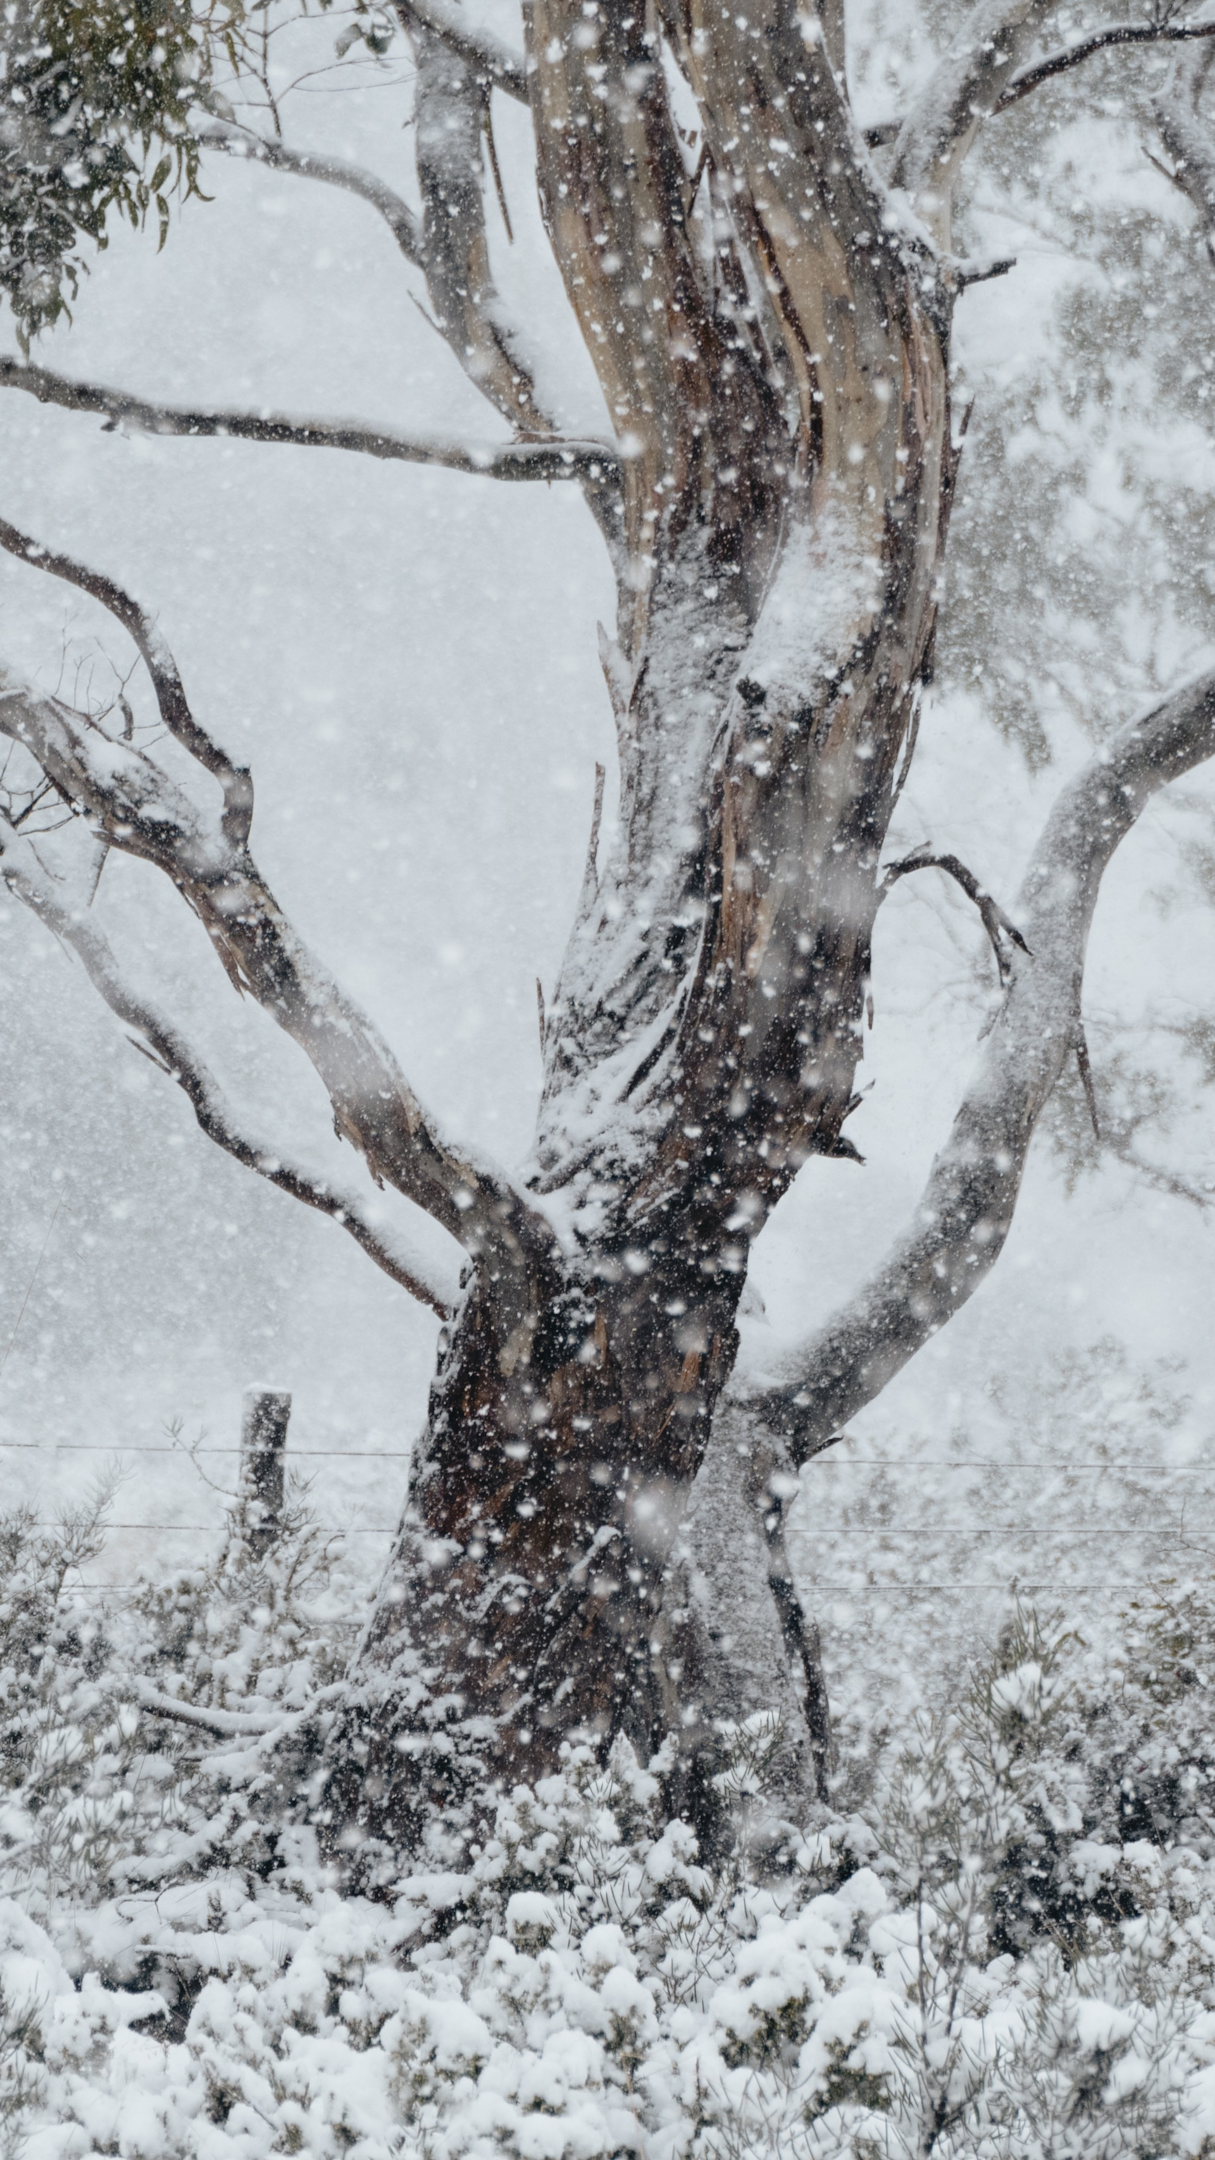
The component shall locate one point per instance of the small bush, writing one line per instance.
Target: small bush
(1007, 1953)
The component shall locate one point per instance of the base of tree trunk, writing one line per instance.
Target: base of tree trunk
(733, 1643)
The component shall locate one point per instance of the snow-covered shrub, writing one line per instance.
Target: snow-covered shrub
(68, 1721)
(1007, 1952)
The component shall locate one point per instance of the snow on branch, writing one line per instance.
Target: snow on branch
(1032, 77)
(451, 125)
(134, 806)
(28, 879)
(963, 90)
(237, 141)
(525, 459)
(967, 1206)
(171, 699)
(1043, 71)
(493, 59)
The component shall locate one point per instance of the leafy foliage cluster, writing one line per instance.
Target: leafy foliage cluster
(95, 100)
(1003, 1945)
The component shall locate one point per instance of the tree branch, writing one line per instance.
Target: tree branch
(136, 807)
(237, 141)
(598, 463)
(882, 132)
(225, 1724)
(450, 113)
(967, 1207)
(171, 699)
(493, 59)
(27, 878)
(964, 89)
(1042, 71)
(451, 246)
(233, 1724)
(995, 921)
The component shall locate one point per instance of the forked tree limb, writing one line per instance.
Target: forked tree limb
(29, 880)
(138, 809)
(171, 700)
(134, 806)
(554, 459)
(496, 63)
(1031, 78)
(450, 112)
(962, 92)
(450, 243)
(967, 1207)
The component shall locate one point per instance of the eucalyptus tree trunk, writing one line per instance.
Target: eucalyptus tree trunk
(780, 391)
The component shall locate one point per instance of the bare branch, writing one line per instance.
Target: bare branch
(492, 58)
(137, 808)
(995, 921)
(27, 878)
(553, 459)
(1043, 71)
(964, 1215)
(225, 1724)
(450, 113)
(236, 141)
(171, 699)
(882, 132)
(964, 89)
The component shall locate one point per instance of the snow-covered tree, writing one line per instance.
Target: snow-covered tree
(592, 1539)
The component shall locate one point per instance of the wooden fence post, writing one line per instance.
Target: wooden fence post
(263, 1445)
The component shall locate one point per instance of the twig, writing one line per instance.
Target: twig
(235, 780)
(1086, 1079)
(496, 170)
(995, 921)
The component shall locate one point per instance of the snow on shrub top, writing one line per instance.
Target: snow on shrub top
(980, 1964)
